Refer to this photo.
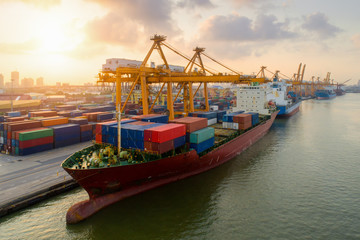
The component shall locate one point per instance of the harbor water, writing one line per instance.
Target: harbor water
(301, 181)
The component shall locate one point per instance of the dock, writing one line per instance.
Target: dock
(26, 180)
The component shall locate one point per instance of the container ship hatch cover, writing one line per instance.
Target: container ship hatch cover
(152, 156)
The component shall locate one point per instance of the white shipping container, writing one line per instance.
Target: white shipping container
(212, 121)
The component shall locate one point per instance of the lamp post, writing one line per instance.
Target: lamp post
(11, 94)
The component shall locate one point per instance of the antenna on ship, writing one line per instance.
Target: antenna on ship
(119, 130)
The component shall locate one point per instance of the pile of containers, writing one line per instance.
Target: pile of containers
(164, 138)
(210, 116)
(66, 134)
(33, 141)
(156, 118)
(243, 121)
(202, 139)
(240, 120)
(228, 121)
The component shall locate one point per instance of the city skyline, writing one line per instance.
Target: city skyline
(68, 41)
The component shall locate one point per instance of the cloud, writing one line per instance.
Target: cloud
(113, 29)
(319, 24)
(237, 28)
(356, 40)
(19, 48)
(154, 16)
(190, 4)
(38, 3)
(248, 3)
(130, 23)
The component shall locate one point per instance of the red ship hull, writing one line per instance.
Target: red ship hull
(106, 186)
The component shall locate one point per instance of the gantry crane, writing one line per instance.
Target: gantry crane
(145, 76)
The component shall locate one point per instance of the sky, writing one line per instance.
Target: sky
(69, 40)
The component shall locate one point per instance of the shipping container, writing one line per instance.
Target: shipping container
(164, 133)
(55, 121)
(80, 121)
(31, 134)
(242, 118)
(203, 145)
(212, 121)
(202, 135)
(229, 117)
(35, 142)
(192, 123)
(35, 149)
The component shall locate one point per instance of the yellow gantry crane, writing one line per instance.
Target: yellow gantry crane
(183, 80)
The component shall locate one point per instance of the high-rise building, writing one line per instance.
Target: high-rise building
(40, 82)
(27, 82)
(58, 84)
(2, 85)
(15, 78)
(359, 83)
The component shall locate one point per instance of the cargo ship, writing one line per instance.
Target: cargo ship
(324, 94)
(169, 151)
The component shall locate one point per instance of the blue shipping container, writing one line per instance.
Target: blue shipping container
(35, 149)
(203, 145)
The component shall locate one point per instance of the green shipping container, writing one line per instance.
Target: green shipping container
(17, 151)
(36, 134)
(202, 135)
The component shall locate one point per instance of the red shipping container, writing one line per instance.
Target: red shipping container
(35, 142)
(244, 126)
(16, 119)
(98, 138)
(242, 118)
(99, 127)
(16, 126)
(162, 147)
(43, 114)
(147, 146)
(164, 133)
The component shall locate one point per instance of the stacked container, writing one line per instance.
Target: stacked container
(47, 122)
(33, 141)
(65, 107)
(243, 121)
(202, 139)
(192, 123)
(86, 132)
(156, 118)
(228, 121)
(164, 138)
(10, 130)
(66, 134)
(42, 114)
(210, 116)
(254, 118)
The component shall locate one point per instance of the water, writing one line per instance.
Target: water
(301, 181)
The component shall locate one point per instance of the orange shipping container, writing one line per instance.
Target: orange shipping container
(53, 122)
(244, 126)
(242, 118)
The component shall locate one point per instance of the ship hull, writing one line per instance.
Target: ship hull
(326, 97)
(106, 186)
(288, 112)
